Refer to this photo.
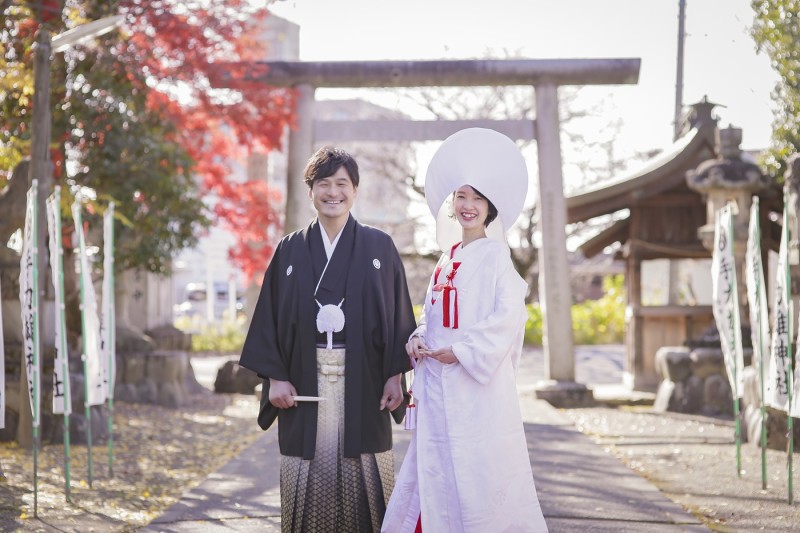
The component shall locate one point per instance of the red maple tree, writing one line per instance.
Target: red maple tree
(168, 50)
(179, 44)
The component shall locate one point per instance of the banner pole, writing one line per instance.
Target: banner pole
(789, 420)
(36, 355)
(61, 318)
(112, 343)
(755, 212)
(737, 339)
(87, 407)
(789, 372)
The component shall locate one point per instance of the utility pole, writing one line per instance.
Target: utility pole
(679, 77)
(40, 169)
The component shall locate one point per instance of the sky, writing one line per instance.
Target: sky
(720, 60)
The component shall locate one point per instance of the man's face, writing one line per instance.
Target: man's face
(333, 196)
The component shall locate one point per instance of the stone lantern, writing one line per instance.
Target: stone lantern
(723, 179)
(694, 377)
(727, 178)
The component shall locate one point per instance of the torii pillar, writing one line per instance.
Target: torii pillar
(545, 75)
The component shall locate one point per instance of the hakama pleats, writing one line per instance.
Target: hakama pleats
(333, 493)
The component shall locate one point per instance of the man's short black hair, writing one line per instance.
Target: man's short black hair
(326, 161)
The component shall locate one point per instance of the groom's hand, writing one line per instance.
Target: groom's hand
(280, 394)
(392, 393)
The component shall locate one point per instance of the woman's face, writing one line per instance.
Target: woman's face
(470, 208)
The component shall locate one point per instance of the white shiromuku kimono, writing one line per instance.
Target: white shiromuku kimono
(467, 467)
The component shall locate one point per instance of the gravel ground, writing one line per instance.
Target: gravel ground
(158, 454)
(692, 459)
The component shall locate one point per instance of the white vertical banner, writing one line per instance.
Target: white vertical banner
(107, 317)
(2, 366)
(756, 290)
(61, 391)
(28, 298)
(95, 387)
(778, 367)
(726, 299)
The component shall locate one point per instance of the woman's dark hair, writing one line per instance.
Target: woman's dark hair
(326, 161)
(492, 209)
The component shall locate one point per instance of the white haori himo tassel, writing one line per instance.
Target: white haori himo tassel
(411, 408)
(330, 320)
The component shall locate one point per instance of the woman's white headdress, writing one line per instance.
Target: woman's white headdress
(487, 161)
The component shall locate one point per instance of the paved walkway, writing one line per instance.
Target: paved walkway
(581, 487)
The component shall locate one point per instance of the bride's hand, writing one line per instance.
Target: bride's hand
(443, 355)
(415, 347)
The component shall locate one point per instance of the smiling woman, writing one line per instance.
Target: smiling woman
(466, 351)
(473, 211)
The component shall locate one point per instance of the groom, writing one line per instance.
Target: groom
(336, 461)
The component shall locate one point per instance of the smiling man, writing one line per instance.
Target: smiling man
(327, 337)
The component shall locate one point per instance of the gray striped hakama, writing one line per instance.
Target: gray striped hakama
(332, 493)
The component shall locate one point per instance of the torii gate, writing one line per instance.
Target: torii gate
(545, 75)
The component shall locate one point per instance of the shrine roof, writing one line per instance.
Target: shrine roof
(662, 173)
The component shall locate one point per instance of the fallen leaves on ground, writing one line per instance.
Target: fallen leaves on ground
(692, 460)
(158, 454)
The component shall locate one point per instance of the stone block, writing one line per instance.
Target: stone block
(133, 368)
(717, 396)
(99, 414)
(777, 431)
(9, 432)
(681, 397)
(751, 395)
(190, 383)
(707, 361)
(232, 378)
(672, 363)
(168, 337)
(565, 394)
(147, 391)
(130, 341)
(171, 366)
(78, 429)
(693, 391)
(677, 402)
(170, 395)
(663, 396)
(126, 392)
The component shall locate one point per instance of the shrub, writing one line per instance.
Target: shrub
(219, 338)
(599, 321)
(224, 337)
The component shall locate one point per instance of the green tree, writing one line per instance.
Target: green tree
(776, 30)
